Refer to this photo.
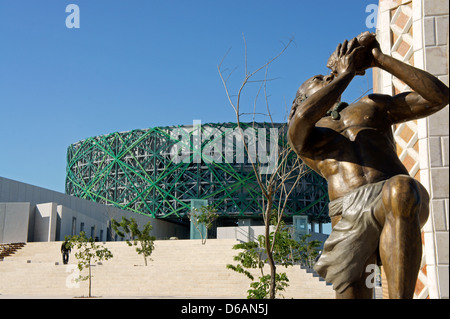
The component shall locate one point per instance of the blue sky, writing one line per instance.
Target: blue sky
(139, 64)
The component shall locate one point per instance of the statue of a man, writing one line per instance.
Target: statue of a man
(376, 209)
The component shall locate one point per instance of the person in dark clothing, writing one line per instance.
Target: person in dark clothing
(65, 250)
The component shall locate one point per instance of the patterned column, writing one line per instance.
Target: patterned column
(432, 48)
(416, 32)
(395, 32)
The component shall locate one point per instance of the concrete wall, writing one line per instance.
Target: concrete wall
(44, 222)
(31, 213)
(14, 222)
(242, 233)
(251, 233)
(72, 222)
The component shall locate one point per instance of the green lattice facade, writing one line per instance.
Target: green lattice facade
(158, 171)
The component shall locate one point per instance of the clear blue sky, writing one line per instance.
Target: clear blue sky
(139, 64)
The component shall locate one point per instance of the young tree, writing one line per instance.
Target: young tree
(287, 252)
(260, 289)
(250, 258)
(279, 183)
(205, 215)
(88, 252)
(309, 250)
(143, 237)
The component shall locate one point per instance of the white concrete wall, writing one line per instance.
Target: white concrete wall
(66, 216)
(251, 233)
(242, 233)
(14, 221)
(45, 215)
(44, 222)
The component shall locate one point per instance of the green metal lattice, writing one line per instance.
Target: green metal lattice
(140, 171)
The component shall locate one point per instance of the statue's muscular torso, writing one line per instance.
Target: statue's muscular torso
(355, 150)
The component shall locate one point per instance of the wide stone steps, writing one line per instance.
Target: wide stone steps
(179, 268)
(9, 249)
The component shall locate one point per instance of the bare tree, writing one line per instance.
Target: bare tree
(282, 180)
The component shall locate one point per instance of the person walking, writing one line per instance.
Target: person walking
(65, 250)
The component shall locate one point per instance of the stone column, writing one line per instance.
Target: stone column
(416, 32)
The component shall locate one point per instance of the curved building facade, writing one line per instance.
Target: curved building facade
(159, 171)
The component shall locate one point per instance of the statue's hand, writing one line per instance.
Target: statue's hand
(358, 52)
(369, 40)
(348, 57)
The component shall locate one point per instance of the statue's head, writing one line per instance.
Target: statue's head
(308, 88)
(312, 85)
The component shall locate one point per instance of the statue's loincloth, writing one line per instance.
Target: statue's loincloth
(353, 239)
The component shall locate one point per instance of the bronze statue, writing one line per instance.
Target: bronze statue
(376, 209)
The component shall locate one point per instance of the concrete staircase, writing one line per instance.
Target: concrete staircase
(178, 269)
(9, 249)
